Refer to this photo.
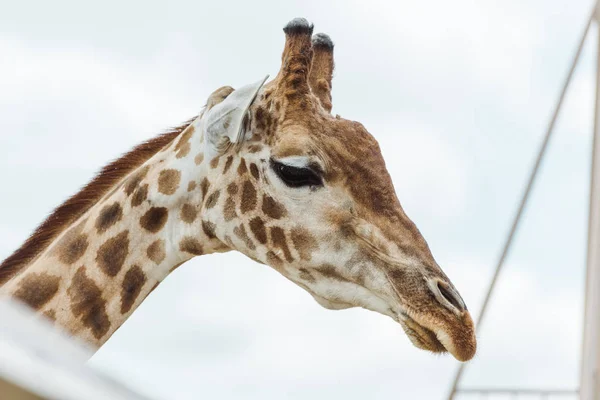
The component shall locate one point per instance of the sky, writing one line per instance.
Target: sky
(458, 94)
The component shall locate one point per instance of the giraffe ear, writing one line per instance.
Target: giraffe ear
(227, 122)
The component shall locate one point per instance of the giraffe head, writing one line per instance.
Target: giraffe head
(308, 193)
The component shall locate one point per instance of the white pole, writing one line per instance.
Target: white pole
(590, 357)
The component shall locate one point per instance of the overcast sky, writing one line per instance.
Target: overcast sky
(458, 93)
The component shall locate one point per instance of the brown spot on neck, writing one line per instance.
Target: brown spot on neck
(35, 290)
(211, 200)
(72, 246)
(190, 245)
(182, 148)
(87, 303)
(204, 185)
(132, 285)
(232, 188)
(154, 219)
(140, 194)
(134, 180)
(188, 213)
(156, 251)
(168, 181)
(112, 254)
(228, 163)
(209, 229)
(242, 168)
(229, 212)
(109, 215)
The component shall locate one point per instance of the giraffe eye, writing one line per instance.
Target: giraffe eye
(296, 176)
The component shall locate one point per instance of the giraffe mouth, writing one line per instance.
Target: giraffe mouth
(420, 336)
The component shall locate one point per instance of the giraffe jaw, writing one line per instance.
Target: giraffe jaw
(420, 336)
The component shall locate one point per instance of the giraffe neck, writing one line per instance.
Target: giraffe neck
(101, 267)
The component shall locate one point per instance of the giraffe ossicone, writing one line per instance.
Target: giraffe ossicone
(265, 170)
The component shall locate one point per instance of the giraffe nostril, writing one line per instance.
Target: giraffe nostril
(444, 293)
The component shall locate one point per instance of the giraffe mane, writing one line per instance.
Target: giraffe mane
(79, 203)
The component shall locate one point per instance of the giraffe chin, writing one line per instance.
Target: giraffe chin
(421, 337)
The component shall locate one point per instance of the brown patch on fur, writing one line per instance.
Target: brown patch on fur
(109, 215)
(204, 185)
(211, 200)
(227, 164)
(232, 188)
(154, 219)
(168, 181)
(188, 213)
(240, 232)
(199, 158)
(72, 246)
(306, 275)
(229, 212)
(190, 245)
(209, 229)
(249, 198)
(254, 170)
(134, 180)
(273, 208)
(242, 169)
(191, 185)
(132, 285)
(140, 194)
(304, 243)
(183, 145)
(156, 251)
(279, 241)
(112, 254)
(214, 163)
(87, 303)
(77, 205)
(257, 226)
(35, 290)
(185, 150)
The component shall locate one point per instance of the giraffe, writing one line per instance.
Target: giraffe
(266, 170)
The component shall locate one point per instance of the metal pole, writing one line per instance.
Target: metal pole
(525, 196)
(590, 354)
